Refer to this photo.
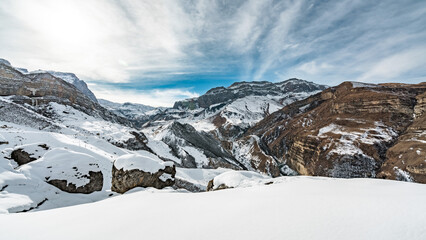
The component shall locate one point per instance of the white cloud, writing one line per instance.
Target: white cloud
(395, 66)
(154, 97)
(276, 41)
(314, 68)
(94, 38)
(128, 40)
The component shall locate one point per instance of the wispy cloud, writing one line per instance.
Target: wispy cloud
(158, 42)
(154, 97)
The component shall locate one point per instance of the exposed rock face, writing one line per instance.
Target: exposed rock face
(21, 157)
(182, 136)
(182, 184)
(28, 153)
(40, 88)
(406, 160)
(349, 131)
(74, 80)
(250, 151)
(96, 181)
(138, 142)
(123, 180)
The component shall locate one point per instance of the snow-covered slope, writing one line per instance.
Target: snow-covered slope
(291, 208)
(47, 151)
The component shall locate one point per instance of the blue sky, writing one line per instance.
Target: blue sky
(156, 52)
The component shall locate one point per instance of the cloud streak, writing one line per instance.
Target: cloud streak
(154, 97)
(155, 44)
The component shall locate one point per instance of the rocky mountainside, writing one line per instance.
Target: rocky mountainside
(229, 112)
(37, 89)
(204, 132)
(74, 80)
(352, 130)
(243, 89)
(67, 77)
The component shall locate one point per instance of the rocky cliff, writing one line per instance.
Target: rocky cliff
(352, 130)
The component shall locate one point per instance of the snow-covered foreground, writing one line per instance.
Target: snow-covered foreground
(291, 208)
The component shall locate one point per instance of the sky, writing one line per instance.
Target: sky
(159, 51)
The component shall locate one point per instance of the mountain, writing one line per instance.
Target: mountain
(277, 91)
(232, 110)
(67, 77)
(352, 130)
(74, 80)
(222, 116)
(132, 111)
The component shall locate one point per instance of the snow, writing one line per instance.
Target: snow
(235, 179)
(347, 142)
(199, 177)
(61, 163)
(402, 175)
(294, 208)
(199, 157)
(146, 162)
(35, 150)
(162, 150)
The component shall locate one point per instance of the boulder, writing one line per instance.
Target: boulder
(69, 171)
(141, 170)
(96, 181)
(28, 153)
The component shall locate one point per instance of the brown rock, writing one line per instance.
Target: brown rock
(22, 157)
(211, 187)
(96, 180)
(122, 180)
(361, 116)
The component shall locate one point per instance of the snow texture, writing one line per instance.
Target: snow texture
(146, 162)
(291, 208)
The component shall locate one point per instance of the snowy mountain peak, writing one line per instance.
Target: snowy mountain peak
(4, 61)
(128, 110)
(243, 89)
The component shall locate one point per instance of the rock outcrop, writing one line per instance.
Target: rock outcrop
(351, 130)
(74, 80)
(38, 89)
(96, 182)
(130, 171)
(28, 153)
(188, 144)
(406, 160)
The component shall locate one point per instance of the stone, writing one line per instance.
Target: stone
(96, 180)
(124, 180)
